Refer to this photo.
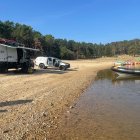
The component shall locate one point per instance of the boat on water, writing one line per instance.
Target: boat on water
(123, 70)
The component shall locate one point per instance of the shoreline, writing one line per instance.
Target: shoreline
(40, 118)
(56, 115)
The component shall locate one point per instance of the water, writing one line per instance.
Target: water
(108, 110)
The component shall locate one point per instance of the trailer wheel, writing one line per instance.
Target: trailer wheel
(42, 66)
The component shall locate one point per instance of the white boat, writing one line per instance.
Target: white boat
(121, 70)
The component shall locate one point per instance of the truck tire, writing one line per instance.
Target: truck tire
(3, 70)
(24, 68)
(28, 67)
(30, 70)
(62, 68)
(42, 66)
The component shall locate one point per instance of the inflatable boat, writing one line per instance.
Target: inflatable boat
(125, 70)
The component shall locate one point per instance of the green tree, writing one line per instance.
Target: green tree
(49, 39)
(6, 29)
(66, 53)
(23, 34)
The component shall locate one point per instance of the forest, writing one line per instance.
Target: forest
(63, 48)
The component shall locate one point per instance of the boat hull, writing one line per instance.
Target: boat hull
(123, 70)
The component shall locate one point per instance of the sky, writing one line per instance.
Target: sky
(94, 21)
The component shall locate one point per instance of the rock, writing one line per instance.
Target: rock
(44, 114)
(55, 126)
(68, 111)
(43, 124)
(49, 126)
(71, 107)
(6, 131)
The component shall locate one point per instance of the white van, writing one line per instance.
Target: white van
(44, 62)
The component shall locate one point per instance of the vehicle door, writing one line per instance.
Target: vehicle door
(50, 61)
(57, 63)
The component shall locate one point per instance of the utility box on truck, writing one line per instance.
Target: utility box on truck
(7, 54)
(15, 57)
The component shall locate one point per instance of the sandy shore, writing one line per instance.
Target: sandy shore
(31, 105)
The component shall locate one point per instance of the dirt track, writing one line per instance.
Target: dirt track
(31, 105)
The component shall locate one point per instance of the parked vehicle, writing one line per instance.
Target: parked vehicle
(44, 62)
(12, 55)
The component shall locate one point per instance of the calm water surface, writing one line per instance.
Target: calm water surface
(108, 110)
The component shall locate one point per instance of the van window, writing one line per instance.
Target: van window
(50, 59)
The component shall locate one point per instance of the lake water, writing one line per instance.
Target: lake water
(108, 110)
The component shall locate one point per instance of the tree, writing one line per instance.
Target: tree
(49, 39)
(23, 34)
(6, 29)
(62, 48)
(66, 53)
(38, 40)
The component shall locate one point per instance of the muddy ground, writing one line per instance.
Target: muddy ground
(31, 106)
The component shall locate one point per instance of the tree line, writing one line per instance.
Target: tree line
(63, 48)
